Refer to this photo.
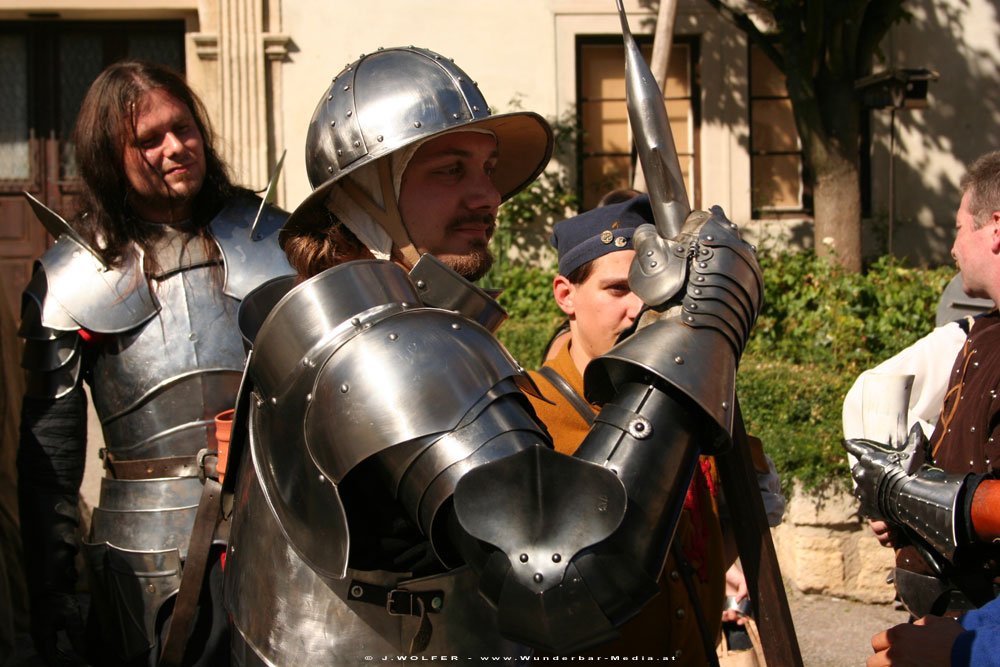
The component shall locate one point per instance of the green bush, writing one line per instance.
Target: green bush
(819, 328)
(534, 315)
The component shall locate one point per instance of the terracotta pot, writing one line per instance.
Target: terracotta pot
(223, 429)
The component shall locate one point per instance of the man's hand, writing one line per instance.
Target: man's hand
(927, 641)
(736, 588)
(885, 533)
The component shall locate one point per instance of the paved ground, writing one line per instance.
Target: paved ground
(836, 633)
(831, 632)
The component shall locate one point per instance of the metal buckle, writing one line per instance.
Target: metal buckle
(392, 604)
(199, 461)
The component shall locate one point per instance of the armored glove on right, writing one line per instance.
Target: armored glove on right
(929, 502)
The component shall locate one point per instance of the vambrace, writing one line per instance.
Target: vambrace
(668, 394)
(929, 502)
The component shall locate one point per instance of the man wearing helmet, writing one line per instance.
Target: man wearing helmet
(402, 497)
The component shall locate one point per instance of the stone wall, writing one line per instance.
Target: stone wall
(824, 547)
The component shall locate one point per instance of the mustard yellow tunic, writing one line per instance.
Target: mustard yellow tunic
(667, 624)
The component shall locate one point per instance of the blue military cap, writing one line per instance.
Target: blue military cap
(598, 232)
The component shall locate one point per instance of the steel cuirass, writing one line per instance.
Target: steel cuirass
(167, 357)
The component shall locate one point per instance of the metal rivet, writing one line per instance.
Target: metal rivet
(523, 558)
(344, 389)
(357, 144)
(347, 87)
(456, 326)
(652, 264)
(416, 123)
(538, 577)
(475, 108)
(329, 98)
(333, 123)
(379, 137)
(697, 291)
(274, 400)
(309, 398)
(258, 236)
(709, 238)
(690, 318)
(151, 588)
(680, 613)
(192, 336)
(339, 152)
(675, 575)
(460, 79)
(703, 265)
(972, 429)
(456, 116)
(693, 306)
(436, 603)
(393, 336)
(355, 321)
(700, 279)
(556, 558)
(678, 359)
(357, 591)
(350, 112)
(322, 479)
(421, 284)
(330, 169)
(725, 405)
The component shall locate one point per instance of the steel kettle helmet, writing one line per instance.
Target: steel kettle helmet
(394, 97)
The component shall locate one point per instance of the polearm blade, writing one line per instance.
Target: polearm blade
(654, 142)
(57, 226)
(268, 196)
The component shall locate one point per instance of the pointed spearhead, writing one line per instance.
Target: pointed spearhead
(268, 196)
(647, 114)
(57, 226)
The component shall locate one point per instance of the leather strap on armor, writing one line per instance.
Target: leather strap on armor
(168, 466)
(564, 388)
(396, 601)
(206, 521)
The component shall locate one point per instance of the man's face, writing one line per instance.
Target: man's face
(448, 201)
(602, 306)
(972, 250)
(165, 161)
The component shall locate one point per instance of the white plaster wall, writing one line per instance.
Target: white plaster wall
(959, 40)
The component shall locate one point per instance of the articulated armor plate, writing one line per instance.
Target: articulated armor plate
(694, 347)
(351, 368)
(169, 359)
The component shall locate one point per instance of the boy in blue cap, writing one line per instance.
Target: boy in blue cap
(595, 252)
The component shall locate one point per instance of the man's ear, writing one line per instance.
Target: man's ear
(995, 233)
(564, 292)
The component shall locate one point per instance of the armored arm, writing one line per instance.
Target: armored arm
(668, 394)
(50, 466)
(945, 511)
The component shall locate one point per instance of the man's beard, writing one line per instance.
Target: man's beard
(473, 265)
(476, 263)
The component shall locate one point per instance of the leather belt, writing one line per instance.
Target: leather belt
(396, 601)
(199, 465)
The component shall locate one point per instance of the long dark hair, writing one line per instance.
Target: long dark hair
(105, 127)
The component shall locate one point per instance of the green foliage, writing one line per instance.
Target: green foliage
(534, 315)
(820, 327)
